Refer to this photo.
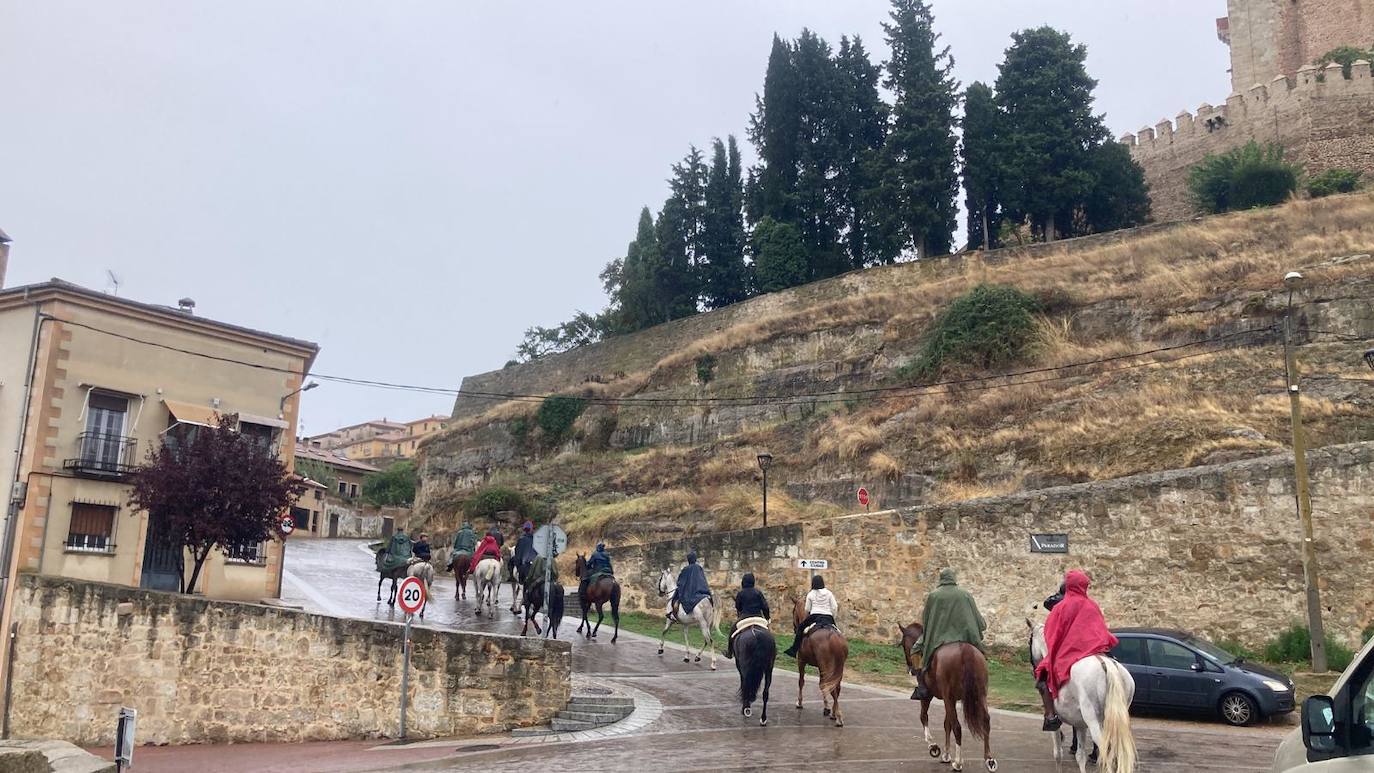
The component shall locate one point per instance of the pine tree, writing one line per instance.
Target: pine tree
(1120, 197)
(780, 258)
(681, 229)
(721, 268)
(1048, 132)
(919, 182)
(775, 130)
(980, 157)
(629, 281)
(862, 131)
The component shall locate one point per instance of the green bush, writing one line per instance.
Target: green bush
(1239, 650)
(987, 327)
(1344, 56)
(1367, 633)
(1294, 645)
(394, 486)
(556, 416)
(1244, 178)
(1333, 181)
(706, 368)
(487, 502)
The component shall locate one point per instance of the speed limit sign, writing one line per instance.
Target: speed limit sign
(411, 595)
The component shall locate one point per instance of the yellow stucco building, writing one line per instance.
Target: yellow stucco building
(89, 383)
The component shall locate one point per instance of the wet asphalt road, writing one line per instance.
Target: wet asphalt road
(696, 724)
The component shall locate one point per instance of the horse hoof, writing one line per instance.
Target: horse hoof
(799, 706)
(825, 712)
(713, 666)
(946, 759)
(686, 660)
(698, 658)
(839, 723)
(935, 750)
(992, 766)
(748, 712)
(763, 722)
(957, 766)
(660, 650)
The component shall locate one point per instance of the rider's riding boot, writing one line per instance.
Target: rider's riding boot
(796, 645)
(921, 693)
(1052, 721)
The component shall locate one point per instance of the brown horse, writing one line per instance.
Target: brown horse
(605, 589)
(459, 563)
(958, 673)
(827, 650)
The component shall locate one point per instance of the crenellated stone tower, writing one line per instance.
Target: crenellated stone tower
(1323, 118)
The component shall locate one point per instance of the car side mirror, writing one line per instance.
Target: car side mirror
(1198, 666)
(1319, 726)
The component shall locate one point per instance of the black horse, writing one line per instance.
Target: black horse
(534, 599)
(755, 652)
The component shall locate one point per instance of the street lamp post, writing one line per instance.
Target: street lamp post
(305, 388)
(1293, 280)
(765, 460)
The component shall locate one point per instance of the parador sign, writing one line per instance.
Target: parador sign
(1049, 543)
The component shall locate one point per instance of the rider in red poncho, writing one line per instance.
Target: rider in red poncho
(487, 548)
(1074, 630)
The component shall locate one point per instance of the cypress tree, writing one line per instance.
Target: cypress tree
(630, 282)
(774, 130)
(862, 131)
(919, 182)
(779, 256)
(722, 269)
(818, 218)
(980, 157)
(1048, 132)
(681, 230)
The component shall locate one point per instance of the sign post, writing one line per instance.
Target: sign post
(549, 541)
(287, 525)
(411, 599)
(124, 738)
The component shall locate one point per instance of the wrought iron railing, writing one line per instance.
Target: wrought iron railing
(102, 454)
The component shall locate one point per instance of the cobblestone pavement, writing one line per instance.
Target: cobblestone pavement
(686, 717)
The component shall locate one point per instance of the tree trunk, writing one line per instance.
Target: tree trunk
(987, 239)
(199, 562)
(1049, 229)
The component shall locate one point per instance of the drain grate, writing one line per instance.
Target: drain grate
(594, 691)
(480, 747)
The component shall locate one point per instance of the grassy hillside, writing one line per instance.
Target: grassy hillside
(637, 470)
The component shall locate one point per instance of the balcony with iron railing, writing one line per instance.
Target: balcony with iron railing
(102, 455)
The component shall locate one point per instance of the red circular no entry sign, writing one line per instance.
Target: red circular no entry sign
(863, 497)
(411, 595)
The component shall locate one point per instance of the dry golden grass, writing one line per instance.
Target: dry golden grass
(848, 438)
(955, 491)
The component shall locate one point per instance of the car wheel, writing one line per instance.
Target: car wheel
(1238, 709)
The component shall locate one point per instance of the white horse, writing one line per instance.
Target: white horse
(425, 572)
(1095, 701)
(705, 614)
(488, 582)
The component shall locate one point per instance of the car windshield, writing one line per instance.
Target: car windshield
(1211, 650)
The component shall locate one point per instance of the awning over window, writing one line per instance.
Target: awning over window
(269, 421)
(189, 413)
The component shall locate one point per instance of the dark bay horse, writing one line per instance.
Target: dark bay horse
(604, 590)
(755, 652)
(395, 575)
(827, 650)
(459, 563)
(958, 674)
(534, 599)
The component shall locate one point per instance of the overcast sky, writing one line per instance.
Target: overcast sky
(412, 184)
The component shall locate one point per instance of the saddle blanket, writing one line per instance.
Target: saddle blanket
(744, 624)
(815, 626)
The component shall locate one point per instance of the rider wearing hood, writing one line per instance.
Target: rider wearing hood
(524, 548)
(598, 564)
(487, 549)
(1074, 630)
(951, 616)
(749, 602)
(691, 585)
(464, 542)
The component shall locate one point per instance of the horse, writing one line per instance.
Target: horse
(1096, 703)
(705, 614)
(425, 572)
(488, 582)
(515, 574)
(958, 673)
(603, 590)
(827, 650)
(534, 599)
(459, 563)
(395, 575)
(755, 652)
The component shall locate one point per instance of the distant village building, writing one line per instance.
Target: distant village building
(320, 511)
(1321, 116)
(381, 442)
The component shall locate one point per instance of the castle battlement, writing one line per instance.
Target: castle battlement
(1234, 122)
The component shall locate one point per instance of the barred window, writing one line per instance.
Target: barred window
(92, 528)
(247, 553)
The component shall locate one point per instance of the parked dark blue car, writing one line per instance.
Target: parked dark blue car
(1175, 670)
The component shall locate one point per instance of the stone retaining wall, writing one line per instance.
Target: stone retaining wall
(214, 671)
(1209, 549)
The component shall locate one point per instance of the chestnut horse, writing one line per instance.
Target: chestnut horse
(827, 650)
(605, 589)
(459, 563)
(958, 673)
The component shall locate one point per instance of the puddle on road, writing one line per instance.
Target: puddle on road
(480, 747)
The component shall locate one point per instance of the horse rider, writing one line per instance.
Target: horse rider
(821, 606)
(691, 587)
(524, 549)
(749, 602)
(498, 536)
(599, 564)
(396, 552)
(1074, 630)
(535, 576)
(951, 616)
(421, 548)
(488, 548)
(465, 541)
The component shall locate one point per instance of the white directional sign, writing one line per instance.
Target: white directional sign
(411, 595)
(541, 540)
(813, 563)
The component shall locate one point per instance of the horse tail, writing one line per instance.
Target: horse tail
(1117, 748)
(715, 616)
(975, 669)
(750, 654)
(831, 677)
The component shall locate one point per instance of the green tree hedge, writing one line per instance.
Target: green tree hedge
(987, 327)
(1247, 177)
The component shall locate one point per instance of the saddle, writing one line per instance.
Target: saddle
(745, 623)
(817, 626)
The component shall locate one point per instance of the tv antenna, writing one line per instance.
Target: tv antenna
(114, 282)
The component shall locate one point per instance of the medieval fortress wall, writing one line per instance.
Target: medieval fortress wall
(1321, 118)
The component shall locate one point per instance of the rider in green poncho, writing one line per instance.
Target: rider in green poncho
(397, 552)
(464, 542)
(951, 615)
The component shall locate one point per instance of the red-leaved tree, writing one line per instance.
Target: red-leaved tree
(208, 488)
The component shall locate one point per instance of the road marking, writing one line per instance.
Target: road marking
(314, 595)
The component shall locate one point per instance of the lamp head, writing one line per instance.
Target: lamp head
(765, 460)
(310, 386)
(1292, 280)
